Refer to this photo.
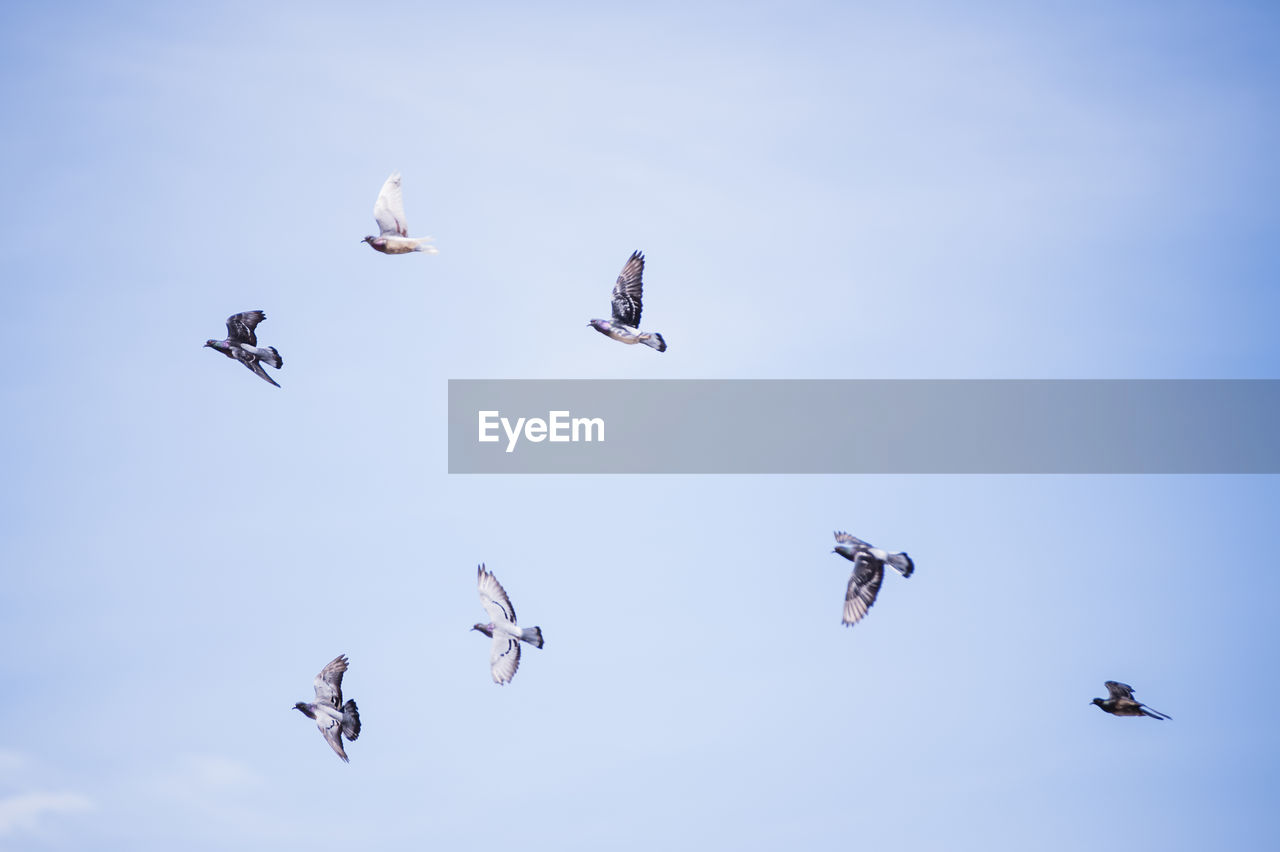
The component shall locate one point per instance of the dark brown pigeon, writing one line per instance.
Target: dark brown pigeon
(1122, 703)
(242, 344)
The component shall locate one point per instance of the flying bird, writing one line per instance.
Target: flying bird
(242, 344)
(504, 653)
(388, 210)
(868, 574)
(1121, 702)
(626, 308)
(334, 719)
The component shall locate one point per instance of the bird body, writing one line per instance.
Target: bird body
(241, 344)
(334, 719)
(388, 212)
(868, 574)
(502, 629)
(1120, 702)
(627, 305)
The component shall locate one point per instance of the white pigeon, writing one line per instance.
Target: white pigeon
(332, 717)
(388, 210)
(504, 653)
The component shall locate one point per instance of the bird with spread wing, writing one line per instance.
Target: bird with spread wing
(334, 719)
(242, 344)
(504, 652)
(1120, 702)
(627, 294)
(868, 574)
(388, 212)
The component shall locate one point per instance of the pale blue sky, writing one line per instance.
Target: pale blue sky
(822, 191)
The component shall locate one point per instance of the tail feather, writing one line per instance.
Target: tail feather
(273, 358)
(654, 340)
(902, 563)
(424, 245)
(532, 635)
(350, 720)
(1154, 714)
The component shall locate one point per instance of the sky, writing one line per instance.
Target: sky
(822, 190)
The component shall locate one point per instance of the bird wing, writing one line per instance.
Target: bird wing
(864, 585)
(253, 364)
(240, 327)
(1119, 690)
(388, 210)
(504, 657)
(626, 293)
(494, 598)
(332, 730)
(328, 683)
(850, 540)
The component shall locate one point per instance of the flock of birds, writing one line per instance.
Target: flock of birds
(338, 720)
(241, 342)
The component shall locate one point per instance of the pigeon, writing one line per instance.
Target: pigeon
(868, 574)
(626, 308)
(388, 210)
(1122, 703)
(242, 344)
(504, 653)
(334, 719)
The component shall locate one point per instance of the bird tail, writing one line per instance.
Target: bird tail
(1154, 714)
(270, 356)
(901, 563)
(425, 246)
(350, 720)
(654, 340)
(532, 635)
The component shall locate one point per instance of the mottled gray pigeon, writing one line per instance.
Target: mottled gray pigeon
(1122, 703)
(388, 210)
(242, 344)
(504, 653)
(626, 308)
(334, 719)
(868, 574)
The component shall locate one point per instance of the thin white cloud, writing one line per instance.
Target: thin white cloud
(22, 813)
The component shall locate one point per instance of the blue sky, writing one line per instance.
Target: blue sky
(822, 191)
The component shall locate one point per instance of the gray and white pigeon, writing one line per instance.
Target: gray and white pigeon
(334, 719)
(504, 653)
(868, 574)
(242, 344)
(388, 210)
(626, 308)
(1121, 702)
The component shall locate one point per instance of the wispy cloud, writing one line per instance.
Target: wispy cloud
(23, 812)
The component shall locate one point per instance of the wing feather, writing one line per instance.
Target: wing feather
(1119, 690)
(627, 292)
(388, 210)
(240, 327)
(504, 657)
(328, 683)
(494, 598)
(864, 585)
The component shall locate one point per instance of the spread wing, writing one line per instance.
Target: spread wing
(332, 730)
(864, 585)
(495, 601)
(328, 686)
(850, 540)
(240, 327)
(626, 293)
(504, 657)
(1119, 690)
(388, 210)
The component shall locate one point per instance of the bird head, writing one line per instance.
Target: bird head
(486, 629)
(599, 324)
(306, 711)
(369, 240)
(1099, 702)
